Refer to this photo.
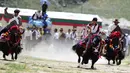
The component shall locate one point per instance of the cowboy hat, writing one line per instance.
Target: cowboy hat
(116, 21)
(95, 19)
(16, 11)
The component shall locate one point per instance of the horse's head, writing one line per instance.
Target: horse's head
(14, 34)
(115, 42)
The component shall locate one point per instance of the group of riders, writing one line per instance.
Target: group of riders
(15, 25)
(93, 46)
(93, 29)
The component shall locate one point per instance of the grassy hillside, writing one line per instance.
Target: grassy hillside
(106, 8)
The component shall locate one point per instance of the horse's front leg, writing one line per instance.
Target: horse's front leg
(108, 61)
(4, 56)
(12, 57)
(16, 55)
(113, 61)
(79, 59)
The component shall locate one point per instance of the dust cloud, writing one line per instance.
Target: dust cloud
(63, 51)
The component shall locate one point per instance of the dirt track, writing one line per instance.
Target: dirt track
(27, 64)
(35, 65)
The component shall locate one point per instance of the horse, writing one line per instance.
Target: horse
(114, 51)
(79, 48)
(91, 53)
(11, 46)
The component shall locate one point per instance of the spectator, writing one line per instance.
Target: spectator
(56, 34)
(36, 33)
(68, 34)
(74, 35)
(1, 27)
(127, 43)
(62, 34)
(41, 31)
(28, 34)
(37, 15)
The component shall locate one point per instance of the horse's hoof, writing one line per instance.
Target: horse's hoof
(113, 62)
(78, 66)
(117, 63)
(5, 59)
(93, 68)
(15, 58)
(12, 58)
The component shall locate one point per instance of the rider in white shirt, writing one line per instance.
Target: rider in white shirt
(94, 29)
(114, 27)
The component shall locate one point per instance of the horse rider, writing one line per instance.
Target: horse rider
(94, 30)
(15, 20)
(115, 28)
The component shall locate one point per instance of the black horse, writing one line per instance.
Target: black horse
(91, 53)
(114, 51)
(11, 46)
(78, 48)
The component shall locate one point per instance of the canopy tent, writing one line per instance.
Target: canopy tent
(58, 18)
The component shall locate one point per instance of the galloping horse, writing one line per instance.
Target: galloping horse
(79, 48)
(91, 53)
(12, 45)
(114, 50)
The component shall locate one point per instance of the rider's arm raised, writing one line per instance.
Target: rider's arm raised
(8, 14)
